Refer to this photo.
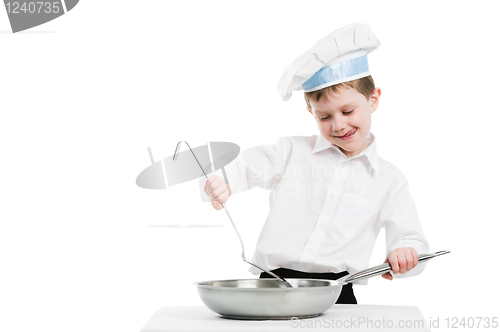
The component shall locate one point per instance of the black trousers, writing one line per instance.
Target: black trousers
(346, 295)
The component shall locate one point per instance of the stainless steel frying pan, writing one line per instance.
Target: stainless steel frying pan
(268, 299)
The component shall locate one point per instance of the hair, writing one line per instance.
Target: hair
(364, 85)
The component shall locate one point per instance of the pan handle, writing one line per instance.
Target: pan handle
(384, 268)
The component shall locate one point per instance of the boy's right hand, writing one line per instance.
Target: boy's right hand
(218, 191)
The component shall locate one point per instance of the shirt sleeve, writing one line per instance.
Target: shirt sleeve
(261, 166)
(402, 226)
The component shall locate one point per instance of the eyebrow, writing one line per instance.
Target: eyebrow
(321, 112)
(348, 105)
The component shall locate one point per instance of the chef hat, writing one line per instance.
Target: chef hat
(340, 56)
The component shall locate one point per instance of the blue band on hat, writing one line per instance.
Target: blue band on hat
(337, 73)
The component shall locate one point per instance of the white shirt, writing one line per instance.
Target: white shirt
(326, 210)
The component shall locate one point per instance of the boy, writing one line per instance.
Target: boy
(330, 194)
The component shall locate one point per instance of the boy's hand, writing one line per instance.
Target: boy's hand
(401, 260)
(218, 191)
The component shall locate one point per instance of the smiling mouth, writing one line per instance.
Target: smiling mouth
(348, 134)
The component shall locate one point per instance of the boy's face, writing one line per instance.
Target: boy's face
(344, 118)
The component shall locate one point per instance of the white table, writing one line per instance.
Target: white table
(342, 317)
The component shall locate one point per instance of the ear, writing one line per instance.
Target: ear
(310, 111)
(374, 99)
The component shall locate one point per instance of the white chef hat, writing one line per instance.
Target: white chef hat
(340, 56)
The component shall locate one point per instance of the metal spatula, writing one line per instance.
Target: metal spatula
(285, 283)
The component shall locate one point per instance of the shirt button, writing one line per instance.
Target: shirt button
(331, 195)
(342, 165)
(309, 249)
(321, 226)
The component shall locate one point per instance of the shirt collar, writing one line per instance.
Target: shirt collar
(370, 152)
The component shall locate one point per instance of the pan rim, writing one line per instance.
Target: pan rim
(205, 284)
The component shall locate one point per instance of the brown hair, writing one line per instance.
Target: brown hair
(364, 85)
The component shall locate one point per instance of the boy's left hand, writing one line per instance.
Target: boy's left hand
(402, 260)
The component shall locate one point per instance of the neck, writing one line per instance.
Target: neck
(350, 154)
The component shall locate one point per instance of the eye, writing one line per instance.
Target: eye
(348, 112)
(324, 118)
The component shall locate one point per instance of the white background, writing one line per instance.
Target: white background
(82, 248)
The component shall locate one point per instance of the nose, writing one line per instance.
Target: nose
(338, 124)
